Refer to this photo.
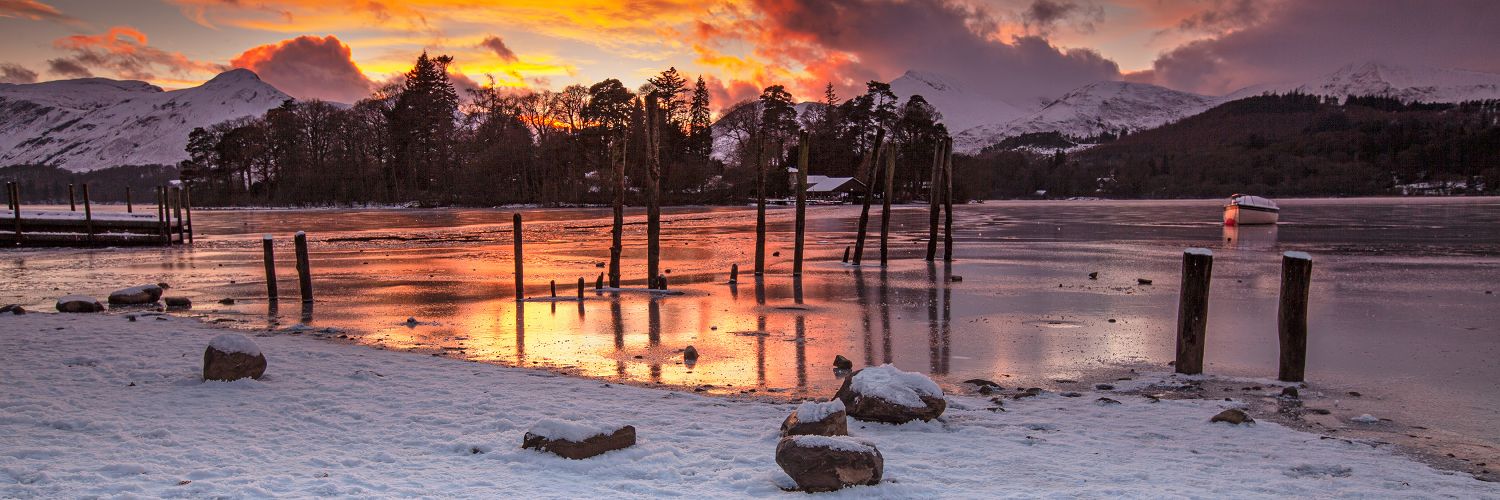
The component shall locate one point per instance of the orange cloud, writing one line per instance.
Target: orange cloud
(35, 11)
(308, 67)
(126, 52)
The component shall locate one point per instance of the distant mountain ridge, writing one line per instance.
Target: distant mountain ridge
(1112, 106)
(95, 123)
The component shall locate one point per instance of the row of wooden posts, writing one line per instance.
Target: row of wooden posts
(1291, 317)
(171, 201)
(304, 268)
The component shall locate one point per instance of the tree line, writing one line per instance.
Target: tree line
(1276, 145)
(418, 141)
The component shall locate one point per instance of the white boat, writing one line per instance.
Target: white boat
(1244, 210)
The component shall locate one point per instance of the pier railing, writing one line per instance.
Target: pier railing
(170, 225)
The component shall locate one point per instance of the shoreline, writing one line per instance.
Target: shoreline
(96, 398)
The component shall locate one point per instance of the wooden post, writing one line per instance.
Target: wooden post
(885, 210)
(661, 282)
(599, 283)
(617, 233)
(554, 288)
(269, 255)
(161, 215)
(72, 206)
(129, 208)
(948, 201)
(1291, 319)
(798, 245)
(1192, 309)
(304, 269)
(734, 273)
(872, 165)
(580, 288)
(177, 209)
(760, 204)
(520, 275)
(88, 215)
(187, 206)
(653, 186)
(934, 200)
(15, 201)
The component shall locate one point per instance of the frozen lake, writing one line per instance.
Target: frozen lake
(1402, 304)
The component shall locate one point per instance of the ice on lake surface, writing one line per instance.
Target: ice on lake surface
(1399, 305)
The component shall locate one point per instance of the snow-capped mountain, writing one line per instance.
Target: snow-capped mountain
(1092, 110)
(96, 123)
(1407, 83)
(727, 134)
(962, 108)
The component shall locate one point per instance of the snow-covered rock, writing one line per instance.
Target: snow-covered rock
(825, 418)
(136, 295)
(93, 123)
(577, 440)
(78, 304)
(887, 394)
(233, 356)
(828, 463)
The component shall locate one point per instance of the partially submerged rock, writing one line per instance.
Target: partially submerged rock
(1233, 416)
(179, 303)
(232, 356)
(136, 295)
(887, 394)
(828, 463)
(577, 440)
(78, 304)
(815, 418)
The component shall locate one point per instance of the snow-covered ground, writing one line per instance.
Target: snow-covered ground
(96, 405)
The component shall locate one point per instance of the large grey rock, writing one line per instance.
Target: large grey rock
(232, 356)
(136, 295)
(78, 304)
(828, 463)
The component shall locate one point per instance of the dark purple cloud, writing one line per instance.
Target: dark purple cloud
(67, 68)
(308, 67)
(1299, 40)
(880, 39)
(495, 44)
(1042, 16)
(15, 73)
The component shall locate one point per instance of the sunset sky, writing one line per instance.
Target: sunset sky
(1016, 50)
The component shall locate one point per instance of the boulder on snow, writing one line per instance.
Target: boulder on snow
(887, 394)
(232, 356)
(136, 295)
(828, 463)
(577, 440)
(179, 303)
(78, 304)
(817, 419)
(1233, 416)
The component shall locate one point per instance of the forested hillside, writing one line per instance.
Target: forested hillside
(1276, 145)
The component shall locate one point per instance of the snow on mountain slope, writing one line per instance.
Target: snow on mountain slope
(1092, 110)
(96, 123)
(1408, 83)
(962, 109)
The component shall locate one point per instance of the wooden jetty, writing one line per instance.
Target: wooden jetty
(170, 225)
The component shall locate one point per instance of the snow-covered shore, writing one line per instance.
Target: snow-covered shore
(95, 405)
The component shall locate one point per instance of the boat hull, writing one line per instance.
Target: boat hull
(1239, 215)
